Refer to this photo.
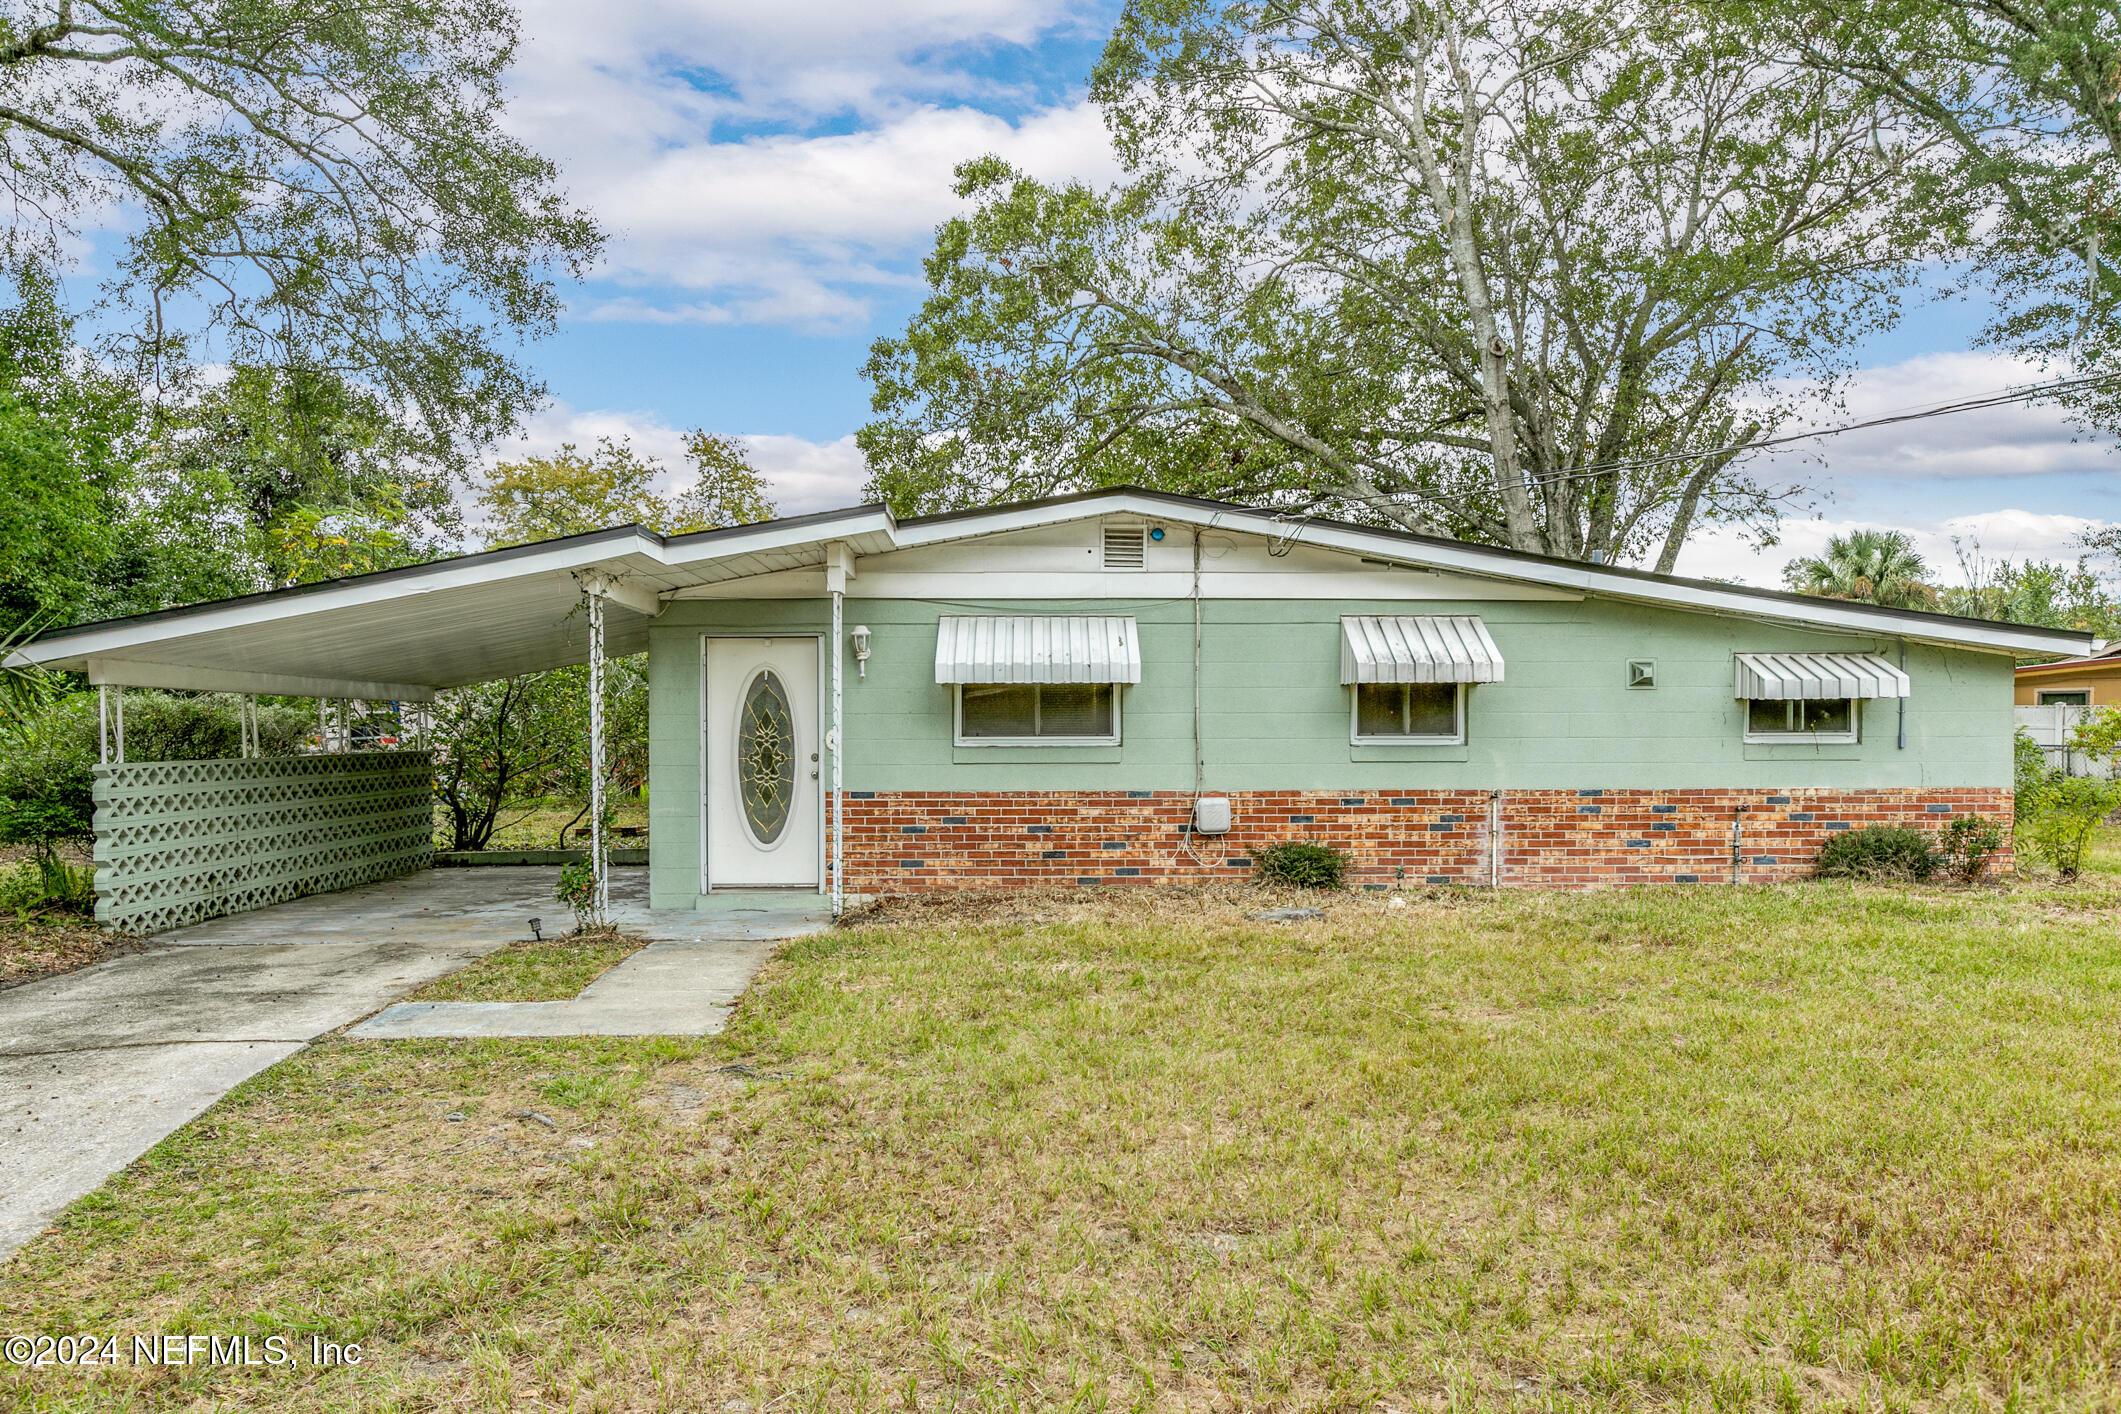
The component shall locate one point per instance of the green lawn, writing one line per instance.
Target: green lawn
(549, 971)
(1818, 1146)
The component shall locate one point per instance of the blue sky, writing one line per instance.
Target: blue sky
(771, 175)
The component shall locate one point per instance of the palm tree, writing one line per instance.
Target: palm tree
(1873, 566)
(25, 689)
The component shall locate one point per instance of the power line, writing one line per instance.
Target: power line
(2001, 398)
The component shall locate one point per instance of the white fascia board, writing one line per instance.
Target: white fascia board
(610, 556)
(853, 525)
(448, 575)
(1477, 560)
(116, 672)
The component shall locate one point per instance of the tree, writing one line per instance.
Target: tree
(499, 740)
(726, 488)
(2023, 95)
(313, 474)
(68, 430)
(1872, 566)
(316, 186)
(568, 493)
(1502, 270)
(2044, 592)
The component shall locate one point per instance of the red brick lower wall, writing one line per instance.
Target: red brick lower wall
(919, 841)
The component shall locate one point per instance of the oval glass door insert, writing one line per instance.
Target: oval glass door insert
(765, 757)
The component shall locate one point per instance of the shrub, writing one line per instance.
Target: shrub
(1305, 863)
(2098, 735)
(1968, 844)
(2065, 814)
(1878, 852)
(578, 890)
(2029, 770)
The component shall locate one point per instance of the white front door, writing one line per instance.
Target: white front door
(762, 762)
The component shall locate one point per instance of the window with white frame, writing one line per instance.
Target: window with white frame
(1801, 719)
(1413, 712)
(2081, 697)
(1038, 714)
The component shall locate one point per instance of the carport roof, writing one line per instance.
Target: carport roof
(405, 633)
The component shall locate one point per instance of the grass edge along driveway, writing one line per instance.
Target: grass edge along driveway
(1816, 1146)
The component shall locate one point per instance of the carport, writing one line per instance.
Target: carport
(180, 842)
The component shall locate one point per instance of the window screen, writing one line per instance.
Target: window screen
(1070, 711)
(1800, 717)
(1400, 710)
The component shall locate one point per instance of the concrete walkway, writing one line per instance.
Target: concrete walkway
(682, 984)
(99, 1065)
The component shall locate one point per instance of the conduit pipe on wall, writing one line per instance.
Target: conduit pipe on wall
(1737, 837)
(1494, 839)
(1903, 700)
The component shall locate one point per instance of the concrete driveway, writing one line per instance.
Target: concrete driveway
(98, 1065)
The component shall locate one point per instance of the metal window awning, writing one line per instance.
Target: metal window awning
(1418, 648)
(1031, 648)
(1819, 675)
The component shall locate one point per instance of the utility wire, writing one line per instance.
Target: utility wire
(2002, 398)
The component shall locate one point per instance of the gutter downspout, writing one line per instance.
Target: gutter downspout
(1494, 839)
(1903, 701)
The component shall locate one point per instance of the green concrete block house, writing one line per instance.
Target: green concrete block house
(1124, 687)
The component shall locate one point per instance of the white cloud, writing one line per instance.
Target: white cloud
(799, 221)
(2027, 439)
(792, 230)
(1722, 553)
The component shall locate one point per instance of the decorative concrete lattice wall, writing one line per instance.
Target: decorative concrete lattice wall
(182, 841)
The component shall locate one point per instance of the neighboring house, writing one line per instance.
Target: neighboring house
(2054, 697)
(2093, 681)
(1126, 687)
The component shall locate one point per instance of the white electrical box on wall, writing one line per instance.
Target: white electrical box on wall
(1211, 815)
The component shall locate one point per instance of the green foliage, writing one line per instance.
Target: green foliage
(316, 187)
(2066, 812)
(1303, 294)
(2043, 592)
(2016, 104)
(567, 493)
(578, 890)
(1872, 566)
(1882, 852)
(2029, 771)
(2098, 735)
(498, 741)
(47, 785)
(68, 430)
(1967, 845)
(1305, 863)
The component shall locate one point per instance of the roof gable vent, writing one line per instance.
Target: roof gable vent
(1124, 547)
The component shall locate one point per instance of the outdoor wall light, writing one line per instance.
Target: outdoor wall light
(860, 635)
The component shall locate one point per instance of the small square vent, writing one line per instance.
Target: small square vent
(1123, 546)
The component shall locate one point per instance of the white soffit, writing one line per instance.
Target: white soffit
(1417, 648)
(1027, 648)
(1811, 676)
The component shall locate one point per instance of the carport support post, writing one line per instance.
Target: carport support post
(839, 568)
(599, 862)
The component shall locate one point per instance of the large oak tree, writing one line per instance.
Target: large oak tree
(312, 184)
(1500, 269)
